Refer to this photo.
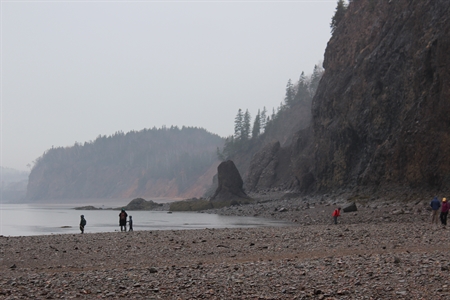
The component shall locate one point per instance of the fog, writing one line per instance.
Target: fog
(73, 70)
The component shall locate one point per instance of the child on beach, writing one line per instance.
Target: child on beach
(82, 223)
(130, 223)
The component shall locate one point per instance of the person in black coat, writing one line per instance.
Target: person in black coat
(82, 223)
(123, 220)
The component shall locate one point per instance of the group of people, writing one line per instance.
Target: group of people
(122, 222)
(439, 210)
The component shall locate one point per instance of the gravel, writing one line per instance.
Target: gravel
(383, 251)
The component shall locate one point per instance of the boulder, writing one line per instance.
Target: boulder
(230, 186)
(350, 208)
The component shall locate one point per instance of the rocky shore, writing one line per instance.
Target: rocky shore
(382, 251)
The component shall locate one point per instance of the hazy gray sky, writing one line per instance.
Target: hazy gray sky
(73, 70)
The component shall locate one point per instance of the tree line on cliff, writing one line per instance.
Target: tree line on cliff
(137, 157)
(265, 126)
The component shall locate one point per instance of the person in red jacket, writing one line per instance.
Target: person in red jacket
(444, 211)
(336, 214)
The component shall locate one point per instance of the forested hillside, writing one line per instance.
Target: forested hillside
(277, 126)
(164, 162)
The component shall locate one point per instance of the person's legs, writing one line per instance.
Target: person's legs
(445, 218)
(434, 217)
(335, 220)
(123, 226)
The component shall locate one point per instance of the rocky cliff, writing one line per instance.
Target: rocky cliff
(381, 113)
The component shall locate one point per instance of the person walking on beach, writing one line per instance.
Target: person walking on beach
(435, 205)
(130, 223)
(445, 207)
(82, 223)
(336, 214)
(123, 220)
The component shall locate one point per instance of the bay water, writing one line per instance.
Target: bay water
(32, 219)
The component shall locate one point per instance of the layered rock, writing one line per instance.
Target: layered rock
(262, 167)
(381, 113)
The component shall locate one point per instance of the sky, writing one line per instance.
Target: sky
(74, 70)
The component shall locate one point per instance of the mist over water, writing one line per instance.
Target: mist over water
(26, 220)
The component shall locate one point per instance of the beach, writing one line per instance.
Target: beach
(382, 251)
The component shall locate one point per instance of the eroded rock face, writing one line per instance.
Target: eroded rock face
(230, 189)
(381, 114)
(262, 167)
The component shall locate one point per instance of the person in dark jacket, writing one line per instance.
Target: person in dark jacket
(123, 220)
(130, 223)
(435, 205)
(445, 207)
(82, 223)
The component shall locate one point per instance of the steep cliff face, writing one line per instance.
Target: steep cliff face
(381, 114)
(382, 110)
(266, 162)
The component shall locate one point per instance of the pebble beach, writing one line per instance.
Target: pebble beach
(382, 251)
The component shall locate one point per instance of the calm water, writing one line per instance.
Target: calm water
(23, 219)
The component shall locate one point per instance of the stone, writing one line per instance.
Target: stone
(230, 187)
(350, 208)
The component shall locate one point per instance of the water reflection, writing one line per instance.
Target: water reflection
(23, 220)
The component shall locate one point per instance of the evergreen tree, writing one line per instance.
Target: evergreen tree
(315, 78)
(246, 126)
(229, 147)
(338, 15)
(290, 94)
(256, 125)
(263, 119)
(238, 125)
(302, 94)
(280, 108)
(220, 155)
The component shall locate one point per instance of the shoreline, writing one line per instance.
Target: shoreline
(382, 251)
(314, 261)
